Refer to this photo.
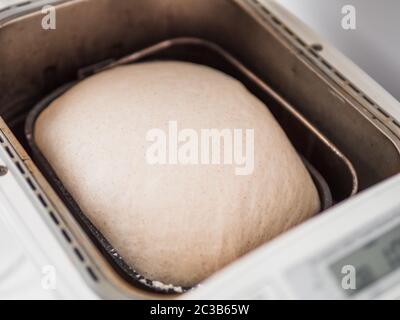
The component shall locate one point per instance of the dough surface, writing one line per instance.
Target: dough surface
(177, 223)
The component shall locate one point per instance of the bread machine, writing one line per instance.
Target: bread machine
(344, 123)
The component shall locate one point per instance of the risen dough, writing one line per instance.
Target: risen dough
(173, 223)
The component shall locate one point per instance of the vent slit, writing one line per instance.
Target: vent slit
(340, 76)
(79, 254)
(92, 274)
(315, 54)
(54, 218)
(19, 167)
(368, 100)
(33, 187)
(43, 202)
(66, 235)
(383, 112)
(301, 42)
(265, 9)
(354, 88)
(326, 64)
(9, 152)
(288, 31)
(276, 21)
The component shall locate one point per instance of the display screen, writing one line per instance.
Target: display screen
(369, 263)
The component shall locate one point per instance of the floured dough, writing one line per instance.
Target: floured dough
(173, 223)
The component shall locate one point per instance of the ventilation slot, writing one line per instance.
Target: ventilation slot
(42, 201)
(368, 100)
(54, 218)
(66, 235)
(288, 31)
(266, 11)
(354, 88)
(383, 112)
(300, 41)
(22, 4)
(276, 21)
(92, 274)
(10, 153)
(20, 169)
(340, 76)
(33, 187)
(15, 6)
(326, 64)
(79, 254)
(314, 53)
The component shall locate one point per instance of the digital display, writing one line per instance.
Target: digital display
(369, 263)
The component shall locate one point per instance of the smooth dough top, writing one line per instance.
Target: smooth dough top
(173, 223)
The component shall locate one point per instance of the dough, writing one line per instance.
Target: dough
(174, 223)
